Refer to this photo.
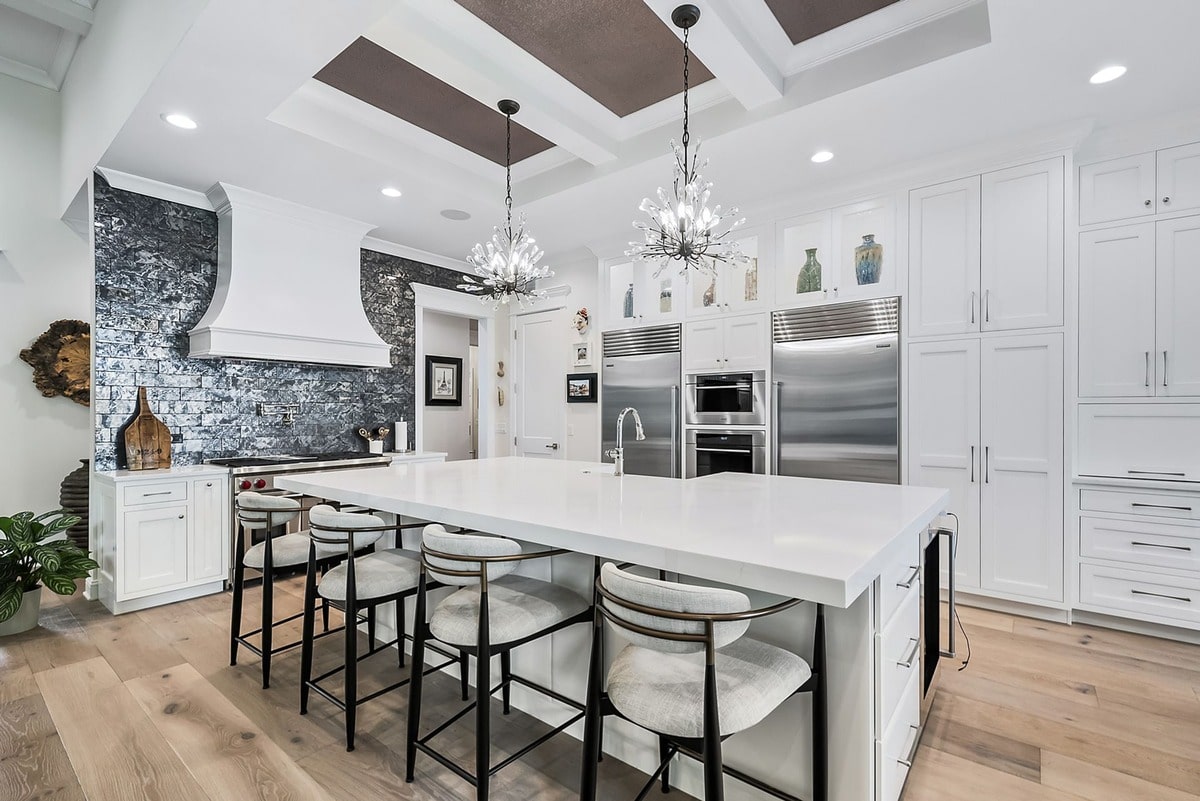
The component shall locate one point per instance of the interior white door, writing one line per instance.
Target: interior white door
(943, 259)
(539, 388)
(1116, 312)
(1021, 526)
(943, 439)
(746, 342)
(1119, 189)
(1021, 260)
(1179, 179)
(1178, 288)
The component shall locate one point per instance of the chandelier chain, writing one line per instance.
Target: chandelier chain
(686, 136)
(508, 169)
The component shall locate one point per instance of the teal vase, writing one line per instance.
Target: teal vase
(868, 260)
(809, 279)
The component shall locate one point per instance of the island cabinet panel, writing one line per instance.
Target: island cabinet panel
(160, 536)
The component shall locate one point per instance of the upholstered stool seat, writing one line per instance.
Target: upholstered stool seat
(376, 575)
(518, 607)
(665, 692)
(286, 551)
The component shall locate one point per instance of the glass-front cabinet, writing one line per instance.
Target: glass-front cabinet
(801, 274)
(737, 287)
(635, 297)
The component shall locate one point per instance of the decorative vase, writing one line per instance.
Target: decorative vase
(752, 281)
(664, 297)
(710, 294)
(73, 496)
(628, 310)
(26, 616)
(809, 279)
(868, 260)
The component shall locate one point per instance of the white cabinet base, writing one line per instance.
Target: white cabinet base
(106, 595)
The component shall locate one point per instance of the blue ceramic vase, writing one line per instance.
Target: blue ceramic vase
(868, 260)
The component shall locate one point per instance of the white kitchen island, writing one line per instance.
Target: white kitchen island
(856, 548)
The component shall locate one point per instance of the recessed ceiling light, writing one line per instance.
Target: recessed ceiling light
(180, 121)
(1108, 74)
(822, 156)
(391, 191)
(456, 214)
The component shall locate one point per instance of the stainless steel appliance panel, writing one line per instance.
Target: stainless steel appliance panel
(726, 399)
(724, 450)
(650, 384)
(836, 389)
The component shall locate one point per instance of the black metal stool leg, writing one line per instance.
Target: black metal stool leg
(371, 628)
(664, 751)
(416, 679)
(506, 678)
(351, 672)
(306, 638)
(483, 697)
(593, 721)
(714, 780)
(239, 577)
(401, 629)
(464, 670)
(820, 715)
(268, 615)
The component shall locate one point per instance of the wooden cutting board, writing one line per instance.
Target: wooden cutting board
(147, 440)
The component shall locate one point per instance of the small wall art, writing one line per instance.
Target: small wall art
(581, 388)
(581, 354)
(443, 381)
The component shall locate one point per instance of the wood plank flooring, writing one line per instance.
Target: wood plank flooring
(145, 706)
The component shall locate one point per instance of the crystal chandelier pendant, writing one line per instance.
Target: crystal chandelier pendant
(507, 268)
(682, 228)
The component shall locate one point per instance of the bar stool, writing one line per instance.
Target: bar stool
(685, 643)
(266, 513)
(492, 613)
(357, 584)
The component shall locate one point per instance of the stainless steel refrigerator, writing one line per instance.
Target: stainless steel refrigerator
(641, 368)
(836, 391)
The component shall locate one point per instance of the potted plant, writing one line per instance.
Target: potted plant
(30, 558)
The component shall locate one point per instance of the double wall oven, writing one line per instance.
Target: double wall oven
(725, 416)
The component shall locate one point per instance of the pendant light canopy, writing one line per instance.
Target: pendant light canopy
(507, 268)
(682, 227)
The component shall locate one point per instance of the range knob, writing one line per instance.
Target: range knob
(260, 483)
(244, 484)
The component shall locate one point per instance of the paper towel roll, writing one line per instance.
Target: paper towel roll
(401, 429)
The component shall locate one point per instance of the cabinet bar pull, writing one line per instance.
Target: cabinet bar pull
(1160, 595)
(724, 450)
(912, 752)
(1158, 545)
(1153, 473)
(1147, 368)
(907, 662)
(972, 464)
(972, 306)
(1160, 506)
(987, 464)
(908, 582)
(152, 494)
(1164, 368)
(987, 305)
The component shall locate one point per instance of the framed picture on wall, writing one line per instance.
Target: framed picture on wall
(581, 388)
(443, 381)
(581, 352)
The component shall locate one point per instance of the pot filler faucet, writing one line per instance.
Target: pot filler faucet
(618, 453)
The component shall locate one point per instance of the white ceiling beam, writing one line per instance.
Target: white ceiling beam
(450, 43)
(66, 14)
(727, 47)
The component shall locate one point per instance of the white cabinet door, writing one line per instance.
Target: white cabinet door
(1120, 189)
(746, 342)
(155, 544)
(210, 529)
(943, 240)
(704, 345)
(1116, 312)
(800, 241)
(1178, 318)
(855, 226)
(943, 438)
(1021, 529)
(1179, 178)
(747, 283)
(1021, 263)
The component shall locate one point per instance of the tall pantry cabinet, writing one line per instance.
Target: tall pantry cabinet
(985, 372)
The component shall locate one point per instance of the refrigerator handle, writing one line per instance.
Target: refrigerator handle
(674, 431)
(778, 393)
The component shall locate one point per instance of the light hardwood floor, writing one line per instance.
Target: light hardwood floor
(144, 706)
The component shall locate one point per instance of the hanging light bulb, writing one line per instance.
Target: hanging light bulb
(682, 227)
(507, 267)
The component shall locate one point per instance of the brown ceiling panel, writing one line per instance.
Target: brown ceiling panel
(378, 76)
(617, 51)
(803, 19)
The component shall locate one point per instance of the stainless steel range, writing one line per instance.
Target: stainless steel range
(257, 473)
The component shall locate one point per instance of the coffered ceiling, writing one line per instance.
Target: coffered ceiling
(804, 19)
(38, 38)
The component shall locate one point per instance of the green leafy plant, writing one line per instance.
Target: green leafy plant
(30, 557)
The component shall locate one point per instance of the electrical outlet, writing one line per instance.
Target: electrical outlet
(177, 436)
(501, 428)
(570, 431)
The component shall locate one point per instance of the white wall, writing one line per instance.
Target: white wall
(45, 275)
(446, 428)
(580, 271)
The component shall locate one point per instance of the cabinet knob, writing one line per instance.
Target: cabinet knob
(181, 517)
(1166, 200)
(209, 484)
(1149, 202)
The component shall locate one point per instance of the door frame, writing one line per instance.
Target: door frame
(515, 319)
(458, 304)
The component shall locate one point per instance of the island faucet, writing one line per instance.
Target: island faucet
(618, 453)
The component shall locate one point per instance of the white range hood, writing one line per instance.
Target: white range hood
(287, 286)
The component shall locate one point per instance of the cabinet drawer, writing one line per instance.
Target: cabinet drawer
(1149, 504)
(1171, 599)
(1140, 542)
(896, 584)
(899, 654)
(1138, 441)
(158, 492)
(899, 744)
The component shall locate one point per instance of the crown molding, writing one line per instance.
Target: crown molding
(414, 254)
(151, 188)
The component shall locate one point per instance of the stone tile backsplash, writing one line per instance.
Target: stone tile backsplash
(156, 270)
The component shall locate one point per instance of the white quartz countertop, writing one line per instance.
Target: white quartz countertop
(823, 541)
(185, 471)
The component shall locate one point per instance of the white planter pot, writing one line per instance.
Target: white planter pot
(26, 616)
